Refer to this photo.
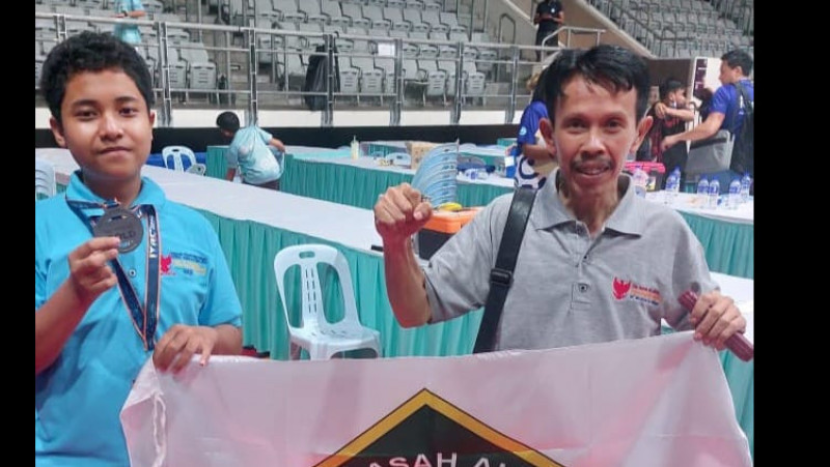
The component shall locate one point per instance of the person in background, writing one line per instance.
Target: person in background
(249, 152)
(533, 159)
(670, 115)
(128, 9)
(726, 111)
(550, 15)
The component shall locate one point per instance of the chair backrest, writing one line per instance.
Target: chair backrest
(307, 257)
(45, 184)
(176, 153)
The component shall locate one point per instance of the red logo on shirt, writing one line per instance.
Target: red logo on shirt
(621, 288)
(166, 261)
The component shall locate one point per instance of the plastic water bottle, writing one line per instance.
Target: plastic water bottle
(734, 197)
(640, 181)
(672, 186)
(703, 187)
(745, 182)
(714, 193)
(355, 148)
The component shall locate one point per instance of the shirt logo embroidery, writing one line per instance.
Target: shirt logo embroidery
(165, 265)
(621, 288)
(189, 264)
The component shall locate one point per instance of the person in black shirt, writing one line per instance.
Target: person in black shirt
(670, 115)
(549, 16)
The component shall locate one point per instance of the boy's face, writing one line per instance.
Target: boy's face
(678, 97)
(106, 125)
(593, 131)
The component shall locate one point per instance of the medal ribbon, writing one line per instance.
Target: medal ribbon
(145, 318)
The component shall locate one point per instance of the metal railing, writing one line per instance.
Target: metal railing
(239, 51)
(573, 30)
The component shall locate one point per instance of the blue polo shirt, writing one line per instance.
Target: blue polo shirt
(725, 101)
(78, 399)
(250, 152)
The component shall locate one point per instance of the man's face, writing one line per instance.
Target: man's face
(106, 125)
(728, 75)
(593, 131)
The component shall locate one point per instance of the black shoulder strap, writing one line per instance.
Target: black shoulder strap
(501, 277)
(742, 95)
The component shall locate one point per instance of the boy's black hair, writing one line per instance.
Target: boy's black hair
(669, 86)
(91, 52)
(228, 121)
(612, 67)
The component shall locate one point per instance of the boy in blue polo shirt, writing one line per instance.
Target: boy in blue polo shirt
(104, 304)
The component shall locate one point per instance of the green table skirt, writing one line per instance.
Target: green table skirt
(360, 187)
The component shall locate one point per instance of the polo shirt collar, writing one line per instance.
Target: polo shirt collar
(550, 212)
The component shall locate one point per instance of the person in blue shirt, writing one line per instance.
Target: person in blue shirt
(106, 304)
(725, 110)
(128, 9)
(250, 152)
(534, 160)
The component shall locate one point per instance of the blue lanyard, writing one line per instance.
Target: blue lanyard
(145, 318)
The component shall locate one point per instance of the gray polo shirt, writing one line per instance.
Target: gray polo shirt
(569, 289)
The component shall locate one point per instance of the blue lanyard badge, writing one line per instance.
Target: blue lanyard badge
(126, 224)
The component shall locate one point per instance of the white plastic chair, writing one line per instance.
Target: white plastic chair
(317, 335)
(45, 184)
(177, 153)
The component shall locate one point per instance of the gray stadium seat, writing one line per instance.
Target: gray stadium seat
(295, 69)
(291, 42)
(331, 8)
(69, 10)
(414, 18)
(414, 4)
(387, 64)
(359, 45)
(451, 20)
(375, 15)
(288, 11)
(355, 14)
(349, 76)
(312, 11)
(265, 10)
(424, 50)
(433, 6)
(475, 79)
(311, 42)
(395, 17)
(39, 59)
(371, 79)
(153, 6)
(449, 67)
(436, 79)
(431, 17)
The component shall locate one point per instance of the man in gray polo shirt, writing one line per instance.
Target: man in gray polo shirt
(597, 263)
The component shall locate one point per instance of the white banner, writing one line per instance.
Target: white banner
(658, 402)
